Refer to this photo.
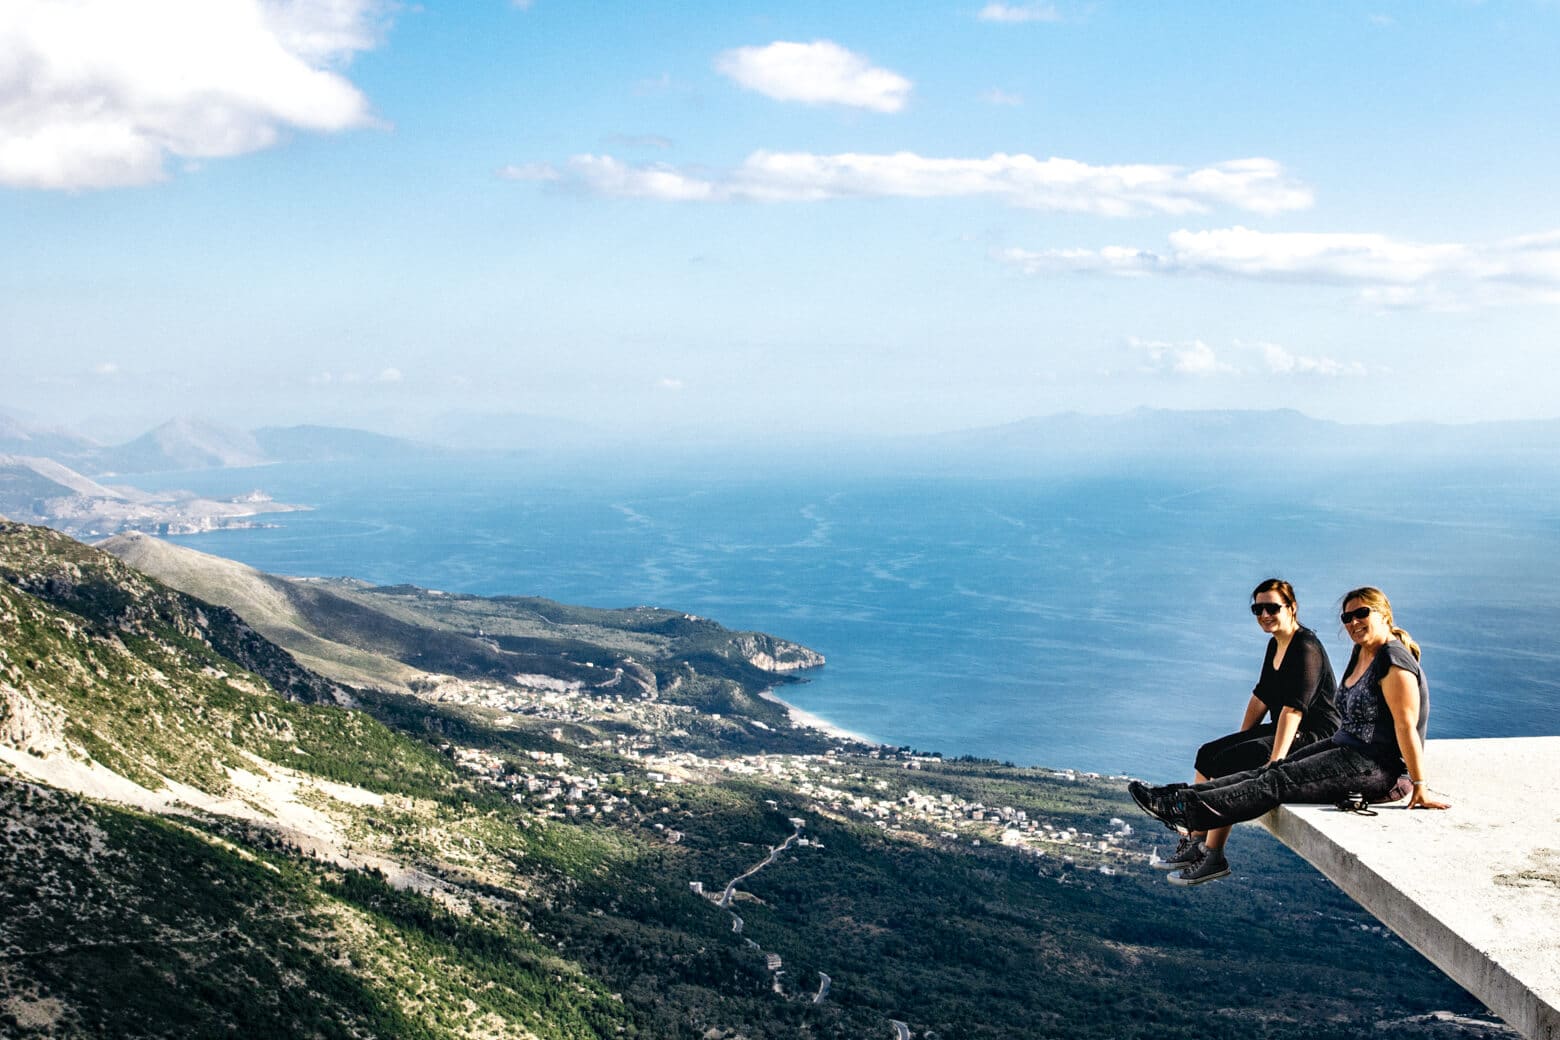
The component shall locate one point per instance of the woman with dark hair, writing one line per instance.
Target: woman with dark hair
(1294, 692)
(1378, 751)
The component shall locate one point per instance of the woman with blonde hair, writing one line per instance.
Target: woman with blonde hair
(1378, 751)
(1294, 691)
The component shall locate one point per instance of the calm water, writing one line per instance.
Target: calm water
(1099, 624)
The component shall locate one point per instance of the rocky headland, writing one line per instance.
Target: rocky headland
(43, 491)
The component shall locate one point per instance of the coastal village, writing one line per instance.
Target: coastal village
(834, 784)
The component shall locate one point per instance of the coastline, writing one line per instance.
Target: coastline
(807, 720)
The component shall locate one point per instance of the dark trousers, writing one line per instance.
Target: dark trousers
(1248, 749)
(1323, 772)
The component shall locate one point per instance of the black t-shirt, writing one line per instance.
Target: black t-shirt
(1304, 681)
(1367, 720)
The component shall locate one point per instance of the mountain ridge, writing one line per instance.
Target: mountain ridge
(430, 634)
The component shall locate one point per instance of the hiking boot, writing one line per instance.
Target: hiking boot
(1187, 852)
(1210, 866)
(1162, 803)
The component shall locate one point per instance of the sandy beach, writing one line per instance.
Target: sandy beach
(808, 720)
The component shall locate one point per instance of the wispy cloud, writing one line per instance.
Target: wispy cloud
(655, 142)
(994, 96)
(1066, 185)
(1383, 270)
(1197, 358)
(384, 377)
(99, 93)
(1193, 358)
(1018, 13)
(817, 73)
(604, 175)
(1284, 362)
(652, 85)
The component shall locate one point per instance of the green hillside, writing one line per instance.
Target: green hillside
(406, 639)
(200, 838)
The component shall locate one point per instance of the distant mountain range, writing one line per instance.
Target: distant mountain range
(1277, 439)
(191, 444)
(1066, 443)
(19, 438)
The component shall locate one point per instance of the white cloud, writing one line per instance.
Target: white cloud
(105, 369)
(326, 32)
(1198, 358)
(604, 175)
(1194, 358)
(384, 377)
(1383, 270)
(817, 73)
(670, 383)
(1011, 13)
(1281, 361)
(99, 93)
(995, 96)
(1258, 185)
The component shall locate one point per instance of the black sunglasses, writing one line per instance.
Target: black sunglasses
(1357, 614)
(1258, 609)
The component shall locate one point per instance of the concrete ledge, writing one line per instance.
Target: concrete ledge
(1476, 888)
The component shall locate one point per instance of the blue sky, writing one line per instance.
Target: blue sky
(808, 219)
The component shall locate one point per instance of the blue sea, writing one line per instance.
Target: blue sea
(1098, 623)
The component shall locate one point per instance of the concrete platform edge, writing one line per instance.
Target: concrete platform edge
(1470, 967)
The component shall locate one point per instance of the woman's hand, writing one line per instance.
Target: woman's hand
(1419, 800)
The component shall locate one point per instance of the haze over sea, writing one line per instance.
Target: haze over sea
(1091, 622)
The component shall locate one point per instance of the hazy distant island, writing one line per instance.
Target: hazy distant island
(1068, 442)
(197, 444)
(55, 476)
(236, 802)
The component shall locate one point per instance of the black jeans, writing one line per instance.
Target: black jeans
(1322, 773)
(1248, 749)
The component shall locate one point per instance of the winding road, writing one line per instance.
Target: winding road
(724, 902)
